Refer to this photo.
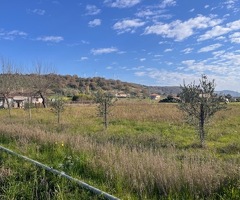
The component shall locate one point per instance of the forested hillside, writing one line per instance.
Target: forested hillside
(70, 85)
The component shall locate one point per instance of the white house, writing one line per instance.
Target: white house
(18, 101)
(155, 96)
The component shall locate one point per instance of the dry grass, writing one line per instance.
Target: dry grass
(145, 111)
(145, 172)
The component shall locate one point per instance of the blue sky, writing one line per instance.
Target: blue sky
(151, 42)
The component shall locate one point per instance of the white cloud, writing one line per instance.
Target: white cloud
(55, 39)
(221, 66)
(141, 73)
(221, 38)
(168, 50)
(142, 59)
(154, 12)
(216, 31)
(181, 30)
(231, 5)
(38, 11)
(224, 64)
(128, 25)
(218, 53)
(220, 30)
(122, 3)
(210, 48)
(187, 50)
(85, 42)
(147, 12)
(95, 22)
(104, 51)
(235, 37)
(92, 10)
(166, 3)
(11, 35)
(83, 58)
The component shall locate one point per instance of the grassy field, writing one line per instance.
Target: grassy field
(148, 152)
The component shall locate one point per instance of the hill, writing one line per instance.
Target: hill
(232, 93)
(70, 85)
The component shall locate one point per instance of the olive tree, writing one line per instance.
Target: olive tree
(58, 106)
(105, 101)
(200, 102)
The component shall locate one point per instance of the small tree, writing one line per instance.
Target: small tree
(40, 82)
(104, 101)
(58, 106)
(200, 103)
(28, 107)
(9, 82)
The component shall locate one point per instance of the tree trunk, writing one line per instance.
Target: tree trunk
(8, 105)
(29, 109)
(105, 114)
(58, 116)
(44, 100)
(201, 126)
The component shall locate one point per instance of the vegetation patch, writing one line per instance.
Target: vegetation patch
(147, 152)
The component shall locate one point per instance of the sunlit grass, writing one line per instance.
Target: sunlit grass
(148, 150)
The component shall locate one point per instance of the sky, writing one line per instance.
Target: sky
(149, 42)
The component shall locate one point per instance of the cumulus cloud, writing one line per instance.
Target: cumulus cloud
(55, 39)
(11, 35)
(95, 22)
(209, 48)
(220, 30)
(235, 37)
(223, 66)
(104, 50)
(122, 3)
(92, 10)
(181, 30)
(128, 25)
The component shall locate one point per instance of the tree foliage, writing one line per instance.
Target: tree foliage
(58, 106)
(200, 103)
(105, 101)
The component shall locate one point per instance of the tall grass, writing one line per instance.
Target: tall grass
(148, 151)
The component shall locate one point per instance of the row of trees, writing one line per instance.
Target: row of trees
(198, 101)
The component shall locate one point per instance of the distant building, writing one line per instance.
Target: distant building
(121, 95)
(155, 96)
(19, 101)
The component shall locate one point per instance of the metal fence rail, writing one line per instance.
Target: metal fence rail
(81, 183)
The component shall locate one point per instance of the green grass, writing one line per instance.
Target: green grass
(147, 152)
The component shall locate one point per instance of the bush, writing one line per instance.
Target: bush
(82, 97)
(170, 99)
